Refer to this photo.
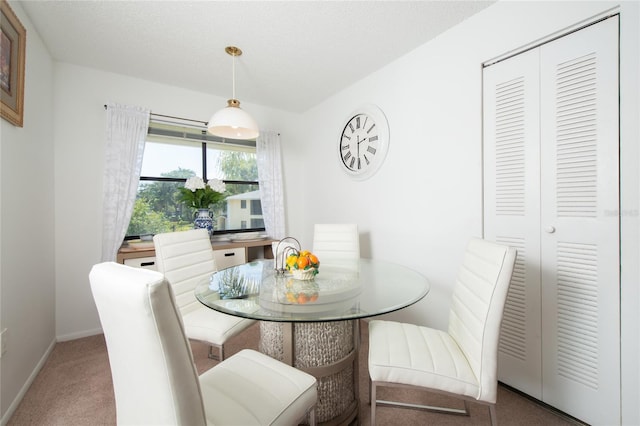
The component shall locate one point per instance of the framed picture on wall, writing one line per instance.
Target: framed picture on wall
(13, 38)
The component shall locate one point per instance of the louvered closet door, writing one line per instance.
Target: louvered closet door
(551, 189)
(512, 209)
(580, 239)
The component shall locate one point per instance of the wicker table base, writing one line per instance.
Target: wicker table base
(326, 350)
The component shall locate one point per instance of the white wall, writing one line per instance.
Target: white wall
(27, 221)
(426, 201)
(80, 95)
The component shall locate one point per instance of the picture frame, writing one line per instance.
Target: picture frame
(13, 38)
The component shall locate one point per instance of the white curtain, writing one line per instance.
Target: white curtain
(270, 179)
(126, 132)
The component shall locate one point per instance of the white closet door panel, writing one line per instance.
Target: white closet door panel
(580, 225)
(512, 210)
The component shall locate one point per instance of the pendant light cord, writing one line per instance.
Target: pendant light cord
(233, 78)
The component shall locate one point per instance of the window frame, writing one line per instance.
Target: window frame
(203, 139)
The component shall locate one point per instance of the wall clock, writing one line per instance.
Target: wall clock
(364, 141)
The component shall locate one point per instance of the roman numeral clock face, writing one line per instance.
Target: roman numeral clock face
(364, 142)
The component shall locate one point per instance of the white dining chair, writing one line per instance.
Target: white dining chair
(461, 361)
(154, 376)
(186, 258)
(336, 242)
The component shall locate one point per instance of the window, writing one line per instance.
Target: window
(174, 153)
(256, 207)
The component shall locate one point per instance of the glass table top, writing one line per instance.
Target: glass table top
(340, 291)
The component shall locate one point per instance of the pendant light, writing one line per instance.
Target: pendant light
(232, 122)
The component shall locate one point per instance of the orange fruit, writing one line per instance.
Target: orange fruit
(302, 298)
(303, 262)
(305, 253)
(313, 259)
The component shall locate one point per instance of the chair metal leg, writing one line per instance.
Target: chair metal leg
(433, 409)
(375, 402)
(372, 399)
(312, 416)
(492, 414)
(220, 356)
(384, 403)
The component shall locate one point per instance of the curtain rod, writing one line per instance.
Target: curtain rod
(176, 118)
(171, 116)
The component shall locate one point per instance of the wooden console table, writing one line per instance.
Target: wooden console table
(226, 253)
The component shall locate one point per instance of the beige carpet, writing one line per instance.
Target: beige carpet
(74, 388)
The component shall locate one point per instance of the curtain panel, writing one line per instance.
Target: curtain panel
(271, 187)
(127, 128)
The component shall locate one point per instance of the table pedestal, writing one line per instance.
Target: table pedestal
(326, 350)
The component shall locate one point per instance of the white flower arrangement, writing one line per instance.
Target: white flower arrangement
(217, 185)
(199, 195)
(194, 183)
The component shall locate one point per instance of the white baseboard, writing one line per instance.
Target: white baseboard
(79, 335)
(27, 384)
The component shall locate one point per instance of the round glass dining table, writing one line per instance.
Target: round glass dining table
(314, 324)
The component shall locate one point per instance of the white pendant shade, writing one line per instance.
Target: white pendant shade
(233, 123)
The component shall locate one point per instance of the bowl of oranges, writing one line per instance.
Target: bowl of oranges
(303, 265)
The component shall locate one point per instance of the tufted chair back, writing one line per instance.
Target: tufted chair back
(477, 308)
(154, 378)
(336, 242)
(185, 258)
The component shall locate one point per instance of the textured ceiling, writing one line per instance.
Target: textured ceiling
(296, 53)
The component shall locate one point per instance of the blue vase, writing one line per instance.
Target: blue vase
(203, 219)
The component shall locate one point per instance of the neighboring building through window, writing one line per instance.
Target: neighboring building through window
(174, 153)
(240, 214)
